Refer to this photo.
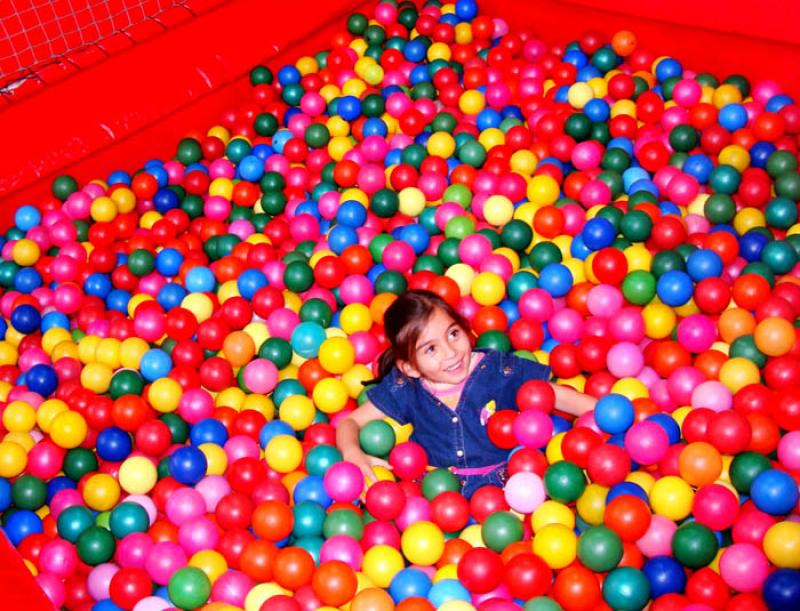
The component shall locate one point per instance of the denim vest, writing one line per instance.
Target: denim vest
(457, 437)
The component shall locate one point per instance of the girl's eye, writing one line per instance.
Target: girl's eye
(430, 350)
(455, 333)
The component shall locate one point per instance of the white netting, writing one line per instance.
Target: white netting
(34, 33)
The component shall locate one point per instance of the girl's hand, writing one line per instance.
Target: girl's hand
(365, 462)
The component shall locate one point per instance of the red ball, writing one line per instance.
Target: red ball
(128, 586)
(528, 460)
(486, 501)
(527, 576)
(786, 409)
(280, 602)
(234, 510)
(153, 437)
(385, 500)
(408, 460)
(334, 582)
(480, 570)
(704, 586)
(608, 464)
(526, 335)
(729, 432)
(578, 444)
(695, 425)
(449, 510)
(576, 588)
(536, 394)
(610, 266)
(293, 567)
(628, 516)
(499, 428)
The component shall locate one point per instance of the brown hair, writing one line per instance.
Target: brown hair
(404, 321)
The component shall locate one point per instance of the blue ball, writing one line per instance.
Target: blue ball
(106, 605)
(169, 261)
(57, 484)
(352, 214)
(27, 217)
(614, 413)
(113, 444)
(408, 583)
(667, 68)
(21, 524)
(732, 117)
(675, 288)
(597, 110)
(272, 429)
(5, 494)
(781, 590)
(665, 574)
(704, 263)
(97, 285)
(415, 236)
(446, 590)
(170, 296)
(250, 282)
(556, 279)
(27, 280)
(349, 107)
(627, 488)
(166, 200)
(52, 320)
(751, 244)
(117, 300)
(42, 379)
(306, 339)
(288, 74)
(466, 10)
(155, 364)
(312, 489)
(375, 126)
(699, 166)
(119, 177)
(667, 422)
(208, 430)
(188, 465)
(251, 168)
(598, 233)
(26, 319)
(774, 492)
(200, 280)
(340, 237)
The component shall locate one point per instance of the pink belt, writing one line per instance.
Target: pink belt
(475, 470)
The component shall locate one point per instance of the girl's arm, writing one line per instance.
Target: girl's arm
(571, 401)
(347, 439)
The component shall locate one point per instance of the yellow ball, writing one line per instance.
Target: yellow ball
(782, 545)
(441, 144)
(107, 352)
(381, 563)
(96, 377)
(498, 210)
(68, 430)
(261, 593)
(198, 304)
(19, 417)
(591, 505)
(354, 379)
(557, 545)
(216, 459)
(411, 201)
(8, 353)
(337, 355)
(211, 562)
(579, 94)
(13, 459)
(330, 395)
(456, 605)
(103, 210)
(423, 543)
(471, 102)
(738, 372)
(355, 317)
(101, 492)
(131, 351)
(164, 395)
(47, 412)
(659, 320)
(553, 450)
(25, 252)
(463, 275)
(137, 475)
(672, 498)
(284, 453)
(488, 289)
(297, 411)
(543, 190)
(552, 512)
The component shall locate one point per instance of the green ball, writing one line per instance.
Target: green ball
(542, 603)
(626, 588)
(317, 135)
(639, 287)
(96, 545)
(781, 213)
(707, 79)
(320, 458)
(64, 186)
(384, 203)
(292, 94)
(616, 160)
(613, 215)
(781, 162)
(614, 181)
(408, 17)
(501, 529)
(126, 382)
(636, 225)
(543, 254)
(779, 256)
(472, 153)
(78, 462)
(237, 149)
(667, 261)
(313, 545)
(429, 263)
(683, 138)
(377, 438)
(745, 467)
(448, 252)
(494, 340)
(8, 271)
(459, 227)
(357, 24)
(519, 283)
(444, 122)
(189, 588)
(517, 235)
(438, 481)
(423, 91)
(343, 522)
(604, 59)
(578, 126)
(391, 281)
(745, 346)
(493, 237)
(414, 154)
(265, 124)
(378, 244)
(374, 34)
(277, 350)
(740, 82)
(694, 545)
(189, 151)
(316, 310)
(127, 518)
(761, 269)
(192, 205)
(72, 521)
(260, 75)
(788, 185)
(725, 179)
(459, 194)
(29, 492)
(272, 181)
(600, 549)
(373, 105)
(564, 481)
(141, 262)
(298, 276)
(719, 208)
(178, 427)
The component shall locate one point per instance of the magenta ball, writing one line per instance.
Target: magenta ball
(587, 154)
(152, 603)
(165, 558)
(195, 405)
(474, 248)
(627, 325)
(744, 567)
(715, 506)
(682, 382)
(53, 588)
(366, 346)
(343, 548)
(416, 509)
(751, 525)
(657, 540)
(604, 300)
(231, 588)
(697, 333)
(398, 256)
(184, 505)
(133, 550)
(260, 376)
(646, 442)
(282, 322)
(789, 450)
(533, 428)
(713, 395)
(625, 360)
(198, 534)
(536, 305)
(524, 491)
(566, 325)
(59, 558)
(343, 482)
(357, 289)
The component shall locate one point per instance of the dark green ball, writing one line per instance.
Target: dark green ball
(265, 124)
(706, 79)
(740, 82)
(192, 205)
(788, 185)
(292, 94)
(317, 135)
(520, 282)
(501, 529)
(96, 545)
(374, 34)
(377, 438)
(542, 603)
(636, 225)
(385, 203)
(127, 518)
(408, 17)
(667, 261)
(343, 522)
(298, 276)
(72, 521)
(613, 215)
(761, 269)
(29, 492)
(744, 469)
(604, 59)
(373, 105)
(424, 91)
(429, 263)
(694, 545)
(316, 310)
(414, 154)
(272, 181)
(517, 235)
(64, 186)
(683, 138)
(745, 346)
(178, 427)
(781, 162)
(578, 126)
(308, 519)
(472, 153)
(626, 588)
(391, 282)
(494, 238)
(78, 462)
(615, 159)
(614, 181)
(494, 340)
(600, 549)
(448, 252)
(639, 287)
(260, 75)
(444, 122)
(141, 262)
(725, 179)
(564, 481)
(357, 24)
(438, 481)
(8, 271)
(543, 254)
(719, 208)
(779, 256)
(189, 151)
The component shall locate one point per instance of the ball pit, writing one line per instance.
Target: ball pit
(179, 344)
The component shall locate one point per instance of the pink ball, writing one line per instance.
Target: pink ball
(715, 506)
(53, 588)
(687, 92)
(274, 272)
(304, 227)
(357, 289)
(595, 193)
(365, 345)
(646, 442)
(474, 249)
(184, 505)
(232, 588)
(789, 450)
(217, 208)
(468, 307)
(59, 558)
(212, 488)
(241, 446)
(697, 333)
(282, 322)
(313, 104)
(100, 578)
(536, 305)
(45, 460)
(152, 603)
(604, 300)
(625, 360)
(68, 497)
(416, 509)
(343, 548)
(380, 533)
(133, 550)
(587, 154)
(682, 382)
(165, 558)
(533, 428)
(524, 491)
(398, 256)
(433, 185)
(195, 405)
(744, 567)
(329, 204)
(499, 265)
(713, 395)
(371, 178)
(566, 325)
(198, 534)
(260, 376)
(344, 482)
(657, 541)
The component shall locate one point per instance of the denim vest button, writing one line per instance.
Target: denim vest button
(460, 453)
(455, 419)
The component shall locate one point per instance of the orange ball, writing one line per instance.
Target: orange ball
(734, 323)
(710, 362)
(415, 603)
(273, 520)
(700, 463)
(238, 348)
(372, 599)
(379, 304)
(623, 43)
(334, 583)
(775, 336)
(454, 550)
(293, 568)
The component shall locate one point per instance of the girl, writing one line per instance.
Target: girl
(432, 378)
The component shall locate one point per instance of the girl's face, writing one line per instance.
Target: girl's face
(442, 353)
